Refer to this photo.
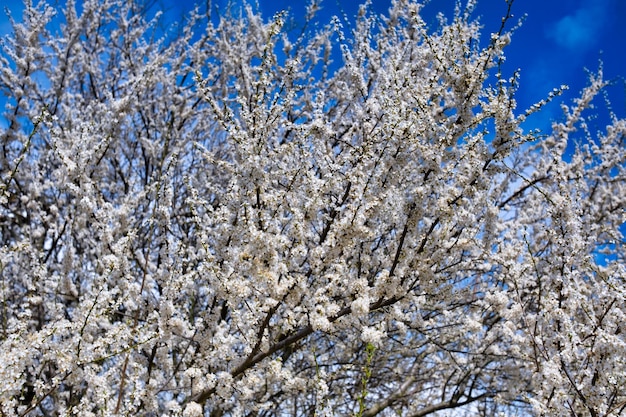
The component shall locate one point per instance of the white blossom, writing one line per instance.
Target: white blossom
(231, 218)
(193, 409)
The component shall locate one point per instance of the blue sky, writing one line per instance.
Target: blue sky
(557, 41)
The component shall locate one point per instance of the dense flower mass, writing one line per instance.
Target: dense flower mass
(220, 221)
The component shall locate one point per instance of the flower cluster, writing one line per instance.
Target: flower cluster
(220, 219)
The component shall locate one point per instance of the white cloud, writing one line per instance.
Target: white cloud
(580, 30)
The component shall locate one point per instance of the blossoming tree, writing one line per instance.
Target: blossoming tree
(218, 220)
